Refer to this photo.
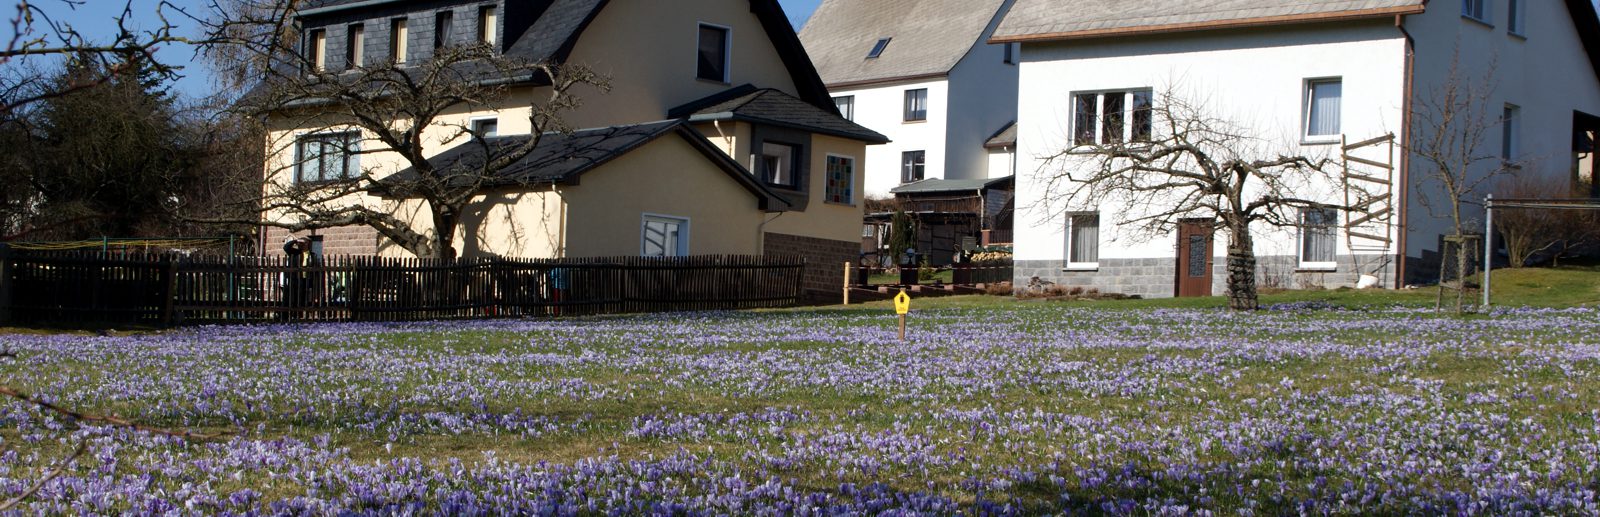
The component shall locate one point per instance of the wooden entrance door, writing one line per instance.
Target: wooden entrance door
(1194, 258)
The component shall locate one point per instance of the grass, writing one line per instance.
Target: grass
(987, 390)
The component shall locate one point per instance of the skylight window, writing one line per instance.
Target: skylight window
(877, 50)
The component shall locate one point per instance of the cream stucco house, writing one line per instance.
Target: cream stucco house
(716, 137)
(1314, 78)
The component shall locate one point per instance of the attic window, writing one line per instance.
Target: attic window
(712, 61)
(877, 50)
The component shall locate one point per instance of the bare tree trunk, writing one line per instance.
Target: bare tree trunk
(1242, 270)
(445, 220)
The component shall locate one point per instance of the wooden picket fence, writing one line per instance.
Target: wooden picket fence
(91, 289)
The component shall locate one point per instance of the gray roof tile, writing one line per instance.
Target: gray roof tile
(1046, 18)
(929, 36)
(773, 107)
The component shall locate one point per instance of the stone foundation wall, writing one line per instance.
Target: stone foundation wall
(825, 258)
(347, 240)
(1155, 277)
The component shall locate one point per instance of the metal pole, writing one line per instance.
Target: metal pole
(1488, 245)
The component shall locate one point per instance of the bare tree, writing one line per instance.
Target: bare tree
(396, 110)
(37, 32)
(1189, 165)
(1450, 130)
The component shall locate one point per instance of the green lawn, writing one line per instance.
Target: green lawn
(991, 405)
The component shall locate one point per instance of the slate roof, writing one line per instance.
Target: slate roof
(773, 107)
(1054, 19)
(929, 37)
(1006, 137)
(931, 186)
(563, 158)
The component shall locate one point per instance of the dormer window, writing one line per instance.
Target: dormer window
(877, 49)
(778, 164)
(442, 33)
(397, 41)
(486, 25)
(317, 50)
(355, 47)
(713, 53)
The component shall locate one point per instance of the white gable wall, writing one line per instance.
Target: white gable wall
(1255, 78)
(881, 107)
(983, 100)
(1547, 74)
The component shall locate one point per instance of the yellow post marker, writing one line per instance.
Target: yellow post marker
(902, 306)
(847, 283)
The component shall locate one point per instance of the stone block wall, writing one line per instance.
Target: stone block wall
(348, 240)
(1155, 277)
(825, 258)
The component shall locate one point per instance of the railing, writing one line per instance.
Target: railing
(89, 288)
(965, 274)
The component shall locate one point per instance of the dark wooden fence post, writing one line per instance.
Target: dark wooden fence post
(5, 284)
(169, 290)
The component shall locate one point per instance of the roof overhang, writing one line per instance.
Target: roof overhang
(888, 80)
(1238, 23)
(877, 139)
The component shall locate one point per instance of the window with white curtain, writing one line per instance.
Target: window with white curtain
(1083, 240)
(1104, 118)
(916, 105)
(664, 236)
(1323, 100)
(1318, 238)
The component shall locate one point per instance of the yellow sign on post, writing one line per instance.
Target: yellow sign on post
(902, 306)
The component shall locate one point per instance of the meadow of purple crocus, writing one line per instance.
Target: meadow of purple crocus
(1001, 409)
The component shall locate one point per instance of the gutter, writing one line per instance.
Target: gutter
(886, 80)
(1402, 230)
(1240, 23)
(345, 7)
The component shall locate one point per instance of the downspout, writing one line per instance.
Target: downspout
(1404, 194)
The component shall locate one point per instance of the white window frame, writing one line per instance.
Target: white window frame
(1486, 8)
(683, 232)
(787, 167)
(904, 166)
(906, 105)
(1517, 17)
(355, 46)
(1071, 231)
(850, 100)
(1511, 133)
(727, 52)
(1307, 92)
(1305, 233)
(488, 25)
(352, 157)
(399, 40)
(472, 125)
(850, 188)
(317, 50)
(1099, 114)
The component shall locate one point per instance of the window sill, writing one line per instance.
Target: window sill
(1317, 267)
(1477, 20)
(1519, 36)
(923, 121)
(1082, 268)
(1319, 141)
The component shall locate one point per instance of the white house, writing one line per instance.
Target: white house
(922, 73)
(1307, 76)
